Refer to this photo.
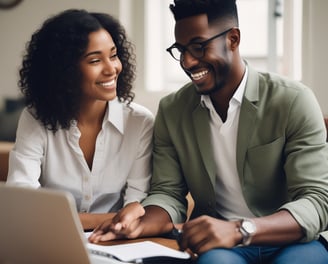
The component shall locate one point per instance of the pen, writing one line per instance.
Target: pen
(177, 234)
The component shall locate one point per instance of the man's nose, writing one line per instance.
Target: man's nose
(188, 60)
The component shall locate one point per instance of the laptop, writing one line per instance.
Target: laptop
(39, 226)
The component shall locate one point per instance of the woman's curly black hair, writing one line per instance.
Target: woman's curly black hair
(50, 79)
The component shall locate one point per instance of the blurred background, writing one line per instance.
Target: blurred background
(284, 36)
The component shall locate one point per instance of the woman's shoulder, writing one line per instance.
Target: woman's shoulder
(29, 115)
(28, 125)
(136, 110)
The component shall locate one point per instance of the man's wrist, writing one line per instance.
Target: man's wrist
(239, 237)
(247, 229)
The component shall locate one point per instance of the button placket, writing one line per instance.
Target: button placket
(86, 193)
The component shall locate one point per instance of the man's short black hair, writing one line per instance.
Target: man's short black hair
(215, 9)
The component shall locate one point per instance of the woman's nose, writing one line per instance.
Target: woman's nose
(109, 67)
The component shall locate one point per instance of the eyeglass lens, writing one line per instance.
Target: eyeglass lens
(195, 49)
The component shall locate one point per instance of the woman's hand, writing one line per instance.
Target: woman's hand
(125, 224)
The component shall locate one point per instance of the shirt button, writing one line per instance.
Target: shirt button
(87, 197)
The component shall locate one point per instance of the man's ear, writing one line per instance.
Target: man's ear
(234, 38)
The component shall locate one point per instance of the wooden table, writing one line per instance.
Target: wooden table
(5, 148)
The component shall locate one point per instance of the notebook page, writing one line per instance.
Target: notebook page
(139, 250)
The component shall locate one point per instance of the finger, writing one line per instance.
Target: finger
(193, 255)
(95, 236)
(126, 221)
(110, 236)
(127, 215)
(183, 242)
(201, 246)
(193, 236)
(104, 227)
(133, 210)
(134, 233)
(117, 227)
(98, 237)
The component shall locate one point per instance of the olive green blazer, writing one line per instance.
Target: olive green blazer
(281, 153)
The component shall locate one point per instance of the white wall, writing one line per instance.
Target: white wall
(315, 49)
(17, 25)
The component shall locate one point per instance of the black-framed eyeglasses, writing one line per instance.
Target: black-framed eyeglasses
(196, 49)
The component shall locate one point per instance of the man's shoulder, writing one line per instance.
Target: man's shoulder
(184, 97)
(274, 87)
(282, 82)
(280, 93)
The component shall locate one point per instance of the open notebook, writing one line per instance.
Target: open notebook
(42, 226)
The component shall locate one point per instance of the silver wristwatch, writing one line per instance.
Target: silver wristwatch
(247, 229)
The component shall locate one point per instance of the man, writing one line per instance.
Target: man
(249, 147)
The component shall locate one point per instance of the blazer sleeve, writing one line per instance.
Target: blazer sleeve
(306, 165)
(168, 188)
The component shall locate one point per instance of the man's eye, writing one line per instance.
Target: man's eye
(196, 47)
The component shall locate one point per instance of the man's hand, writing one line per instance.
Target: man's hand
(125, 224)
(205, 232)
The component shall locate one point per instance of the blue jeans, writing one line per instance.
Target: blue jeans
(305, 253)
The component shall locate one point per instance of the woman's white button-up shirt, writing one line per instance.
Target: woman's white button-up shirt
(121, 167)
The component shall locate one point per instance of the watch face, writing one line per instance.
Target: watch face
(249, 226)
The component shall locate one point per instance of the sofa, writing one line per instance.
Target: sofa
(9, 117)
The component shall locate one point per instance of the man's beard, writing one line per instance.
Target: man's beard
(218, 86)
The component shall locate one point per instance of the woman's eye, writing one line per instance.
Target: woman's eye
(114, 56)
(93, 61)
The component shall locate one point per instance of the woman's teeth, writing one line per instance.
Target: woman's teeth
(107, 84)
(198, 75)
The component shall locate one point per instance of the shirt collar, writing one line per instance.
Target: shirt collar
(237, 96)
(114, 114)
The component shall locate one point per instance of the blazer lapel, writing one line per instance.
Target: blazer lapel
(202, 131)
(247, 118)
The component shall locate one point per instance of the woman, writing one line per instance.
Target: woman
(80, 131)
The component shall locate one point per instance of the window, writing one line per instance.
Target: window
(162, 72)
(270, 40)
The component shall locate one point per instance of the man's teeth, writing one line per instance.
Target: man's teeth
(199, 75)
(107, 84)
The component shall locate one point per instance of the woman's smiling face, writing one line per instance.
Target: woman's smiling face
(100, 67)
